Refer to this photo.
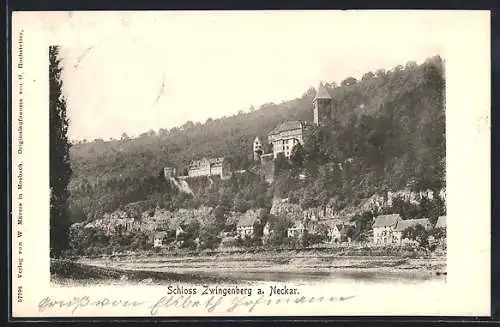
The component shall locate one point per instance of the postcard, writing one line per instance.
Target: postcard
(250, 163)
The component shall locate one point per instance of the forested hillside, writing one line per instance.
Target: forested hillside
(387, 132)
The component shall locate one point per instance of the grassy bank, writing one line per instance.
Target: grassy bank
(212, 266)
(273, 262)
(315, 251)
(68, 272)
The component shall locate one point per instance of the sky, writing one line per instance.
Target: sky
(133, 72)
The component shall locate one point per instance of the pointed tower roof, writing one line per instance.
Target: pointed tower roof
(322, 93)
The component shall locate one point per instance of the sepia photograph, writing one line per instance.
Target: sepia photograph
(236, 154)
(159, 173)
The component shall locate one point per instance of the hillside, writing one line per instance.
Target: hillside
(389, 126)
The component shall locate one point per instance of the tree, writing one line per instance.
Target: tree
(349, 81)
(60, 168)
(281, 163)
(387, 131)
(297, 155)
(381, 73)
(368, 76)
(363, 224)
(279, 227)
(417, 233)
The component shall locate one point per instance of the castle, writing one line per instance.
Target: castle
(286, 135)
(204, 167)
(283, 138)
(210, 167)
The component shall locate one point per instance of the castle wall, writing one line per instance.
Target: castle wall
(322, 111)
(205, 168)
(199, 171)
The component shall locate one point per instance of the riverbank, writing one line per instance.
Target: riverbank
(160, 269)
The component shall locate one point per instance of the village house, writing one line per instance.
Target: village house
(441, 222)
(296, 230)
(335, 233)
(210, 167)
(127, 225)
(402, 225)
(384, 227)
(338, 231)
(245, 227)
(158, 239)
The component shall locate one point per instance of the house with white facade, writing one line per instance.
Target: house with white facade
(158, 239)
(441, 222)
(384, 227)
(245, 227)
(296, 230)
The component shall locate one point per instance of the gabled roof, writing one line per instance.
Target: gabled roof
(386, 220)
(248, 219)
(286, 126)
(339, 227)
(404, 224)
(200, 162)
(441, 222)
(322, 93)
(207, 161)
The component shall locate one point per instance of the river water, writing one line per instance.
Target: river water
(341, 276)
(164, 273)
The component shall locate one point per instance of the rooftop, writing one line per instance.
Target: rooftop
(286, 126)
(205, 161)
(404, 224)
(322, 93)
(248, 219)
(441, 222)
(386, 220)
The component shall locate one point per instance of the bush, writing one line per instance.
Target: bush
(311, 239)
(229, 242)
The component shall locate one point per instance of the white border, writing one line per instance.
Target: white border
(466, 50)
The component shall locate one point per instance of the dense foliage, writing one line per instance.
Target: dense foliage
(239, 193)
(387, 132)
(401, 146)
(60, 169)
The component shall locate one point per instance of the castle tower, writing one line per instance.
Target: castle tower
(322, 106)
(257, 148)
